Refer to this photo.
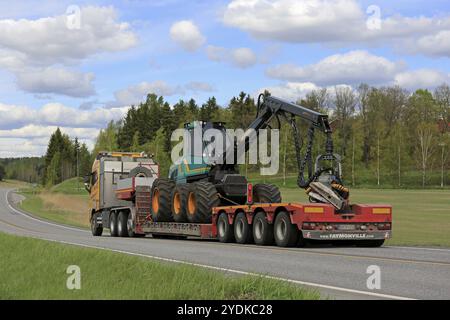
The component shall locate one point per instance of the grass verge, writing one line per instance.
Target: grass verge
(36, 269)
(55, 207)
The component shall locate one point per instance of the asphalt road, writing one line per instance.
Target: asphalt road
(339, 273)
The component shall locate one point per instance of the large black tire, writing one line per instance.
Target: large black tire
(369, 243)
(242, 230)
(140, 172)
(202, 197)
(179, 198)
(266, 193)
(96, 229)
(286, 234)
(130, 226)
(122, 230)
(262, 230)
(161, 200)
(224, 229)
(113, 224)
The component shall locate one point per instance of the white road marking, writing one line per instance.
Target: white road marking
(311, 284)
(419, 248)
(39, 220)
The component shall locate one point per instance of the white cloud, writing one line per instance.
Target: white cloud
(135, 94)
(321, 21)
(57, 81)
(291, 91)
(421, 78)
(350, 68)
(49, 40)
(433, 45)
(197, 86)
(32, 140)
(36, 51)
(187, 35)
(55, 114)
(239, 57)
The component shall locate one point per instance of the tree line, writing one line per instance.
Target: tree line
(387, 136)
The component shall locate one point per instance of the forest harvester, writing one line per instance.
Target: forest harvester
(212, 200)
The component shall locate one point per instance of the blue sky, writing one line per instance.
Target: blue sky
(80, 78)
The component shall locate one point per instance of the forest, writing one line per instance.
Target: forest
(387, 136)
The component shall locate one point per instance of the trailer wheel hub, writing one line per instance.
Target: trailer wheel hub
(281, 228)
(258, 229)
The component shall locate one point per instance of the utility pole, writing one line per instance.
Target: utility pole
(77, 147)
(442, 164)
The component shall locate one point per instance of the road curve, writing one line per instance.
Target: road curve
(339, 273)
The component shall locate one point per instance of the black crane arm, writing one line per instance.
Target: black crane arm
(270, 107)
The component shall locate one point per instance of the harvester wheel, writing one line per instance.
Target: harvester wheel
(262, 230)
(242, 230)
(224, 229)
(96, 229)
(266, 193)
(202, 197)
(285, 233)
(161, 200)
(113, 224)
(179, 198)
(122, 229)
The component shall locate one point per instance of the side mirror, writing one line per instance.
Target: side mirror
(87, 183)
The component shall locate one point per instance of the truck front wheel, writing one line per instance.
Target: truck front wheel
(262, 230)
(113, 224)
(96, 229)
(286, 234)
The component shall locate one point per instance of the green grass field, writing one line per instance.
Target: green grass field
(36, 269)
(420, 217)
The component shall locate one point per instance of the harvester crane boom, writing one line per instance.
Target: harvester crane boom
(323, 183)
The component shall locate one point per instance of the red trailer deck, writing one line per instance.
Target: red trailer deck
(285, 223)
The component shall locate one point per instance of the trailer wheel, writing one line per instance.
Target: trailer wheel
(96, 229)
(262, 230)
(266, 193)
(370, 243)
(242, 230)
(224, 229)
(161, 200)
(130, 229)
(122, 229)
(179, 197)
(113, 224)
(285, 233)
(201, 198)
